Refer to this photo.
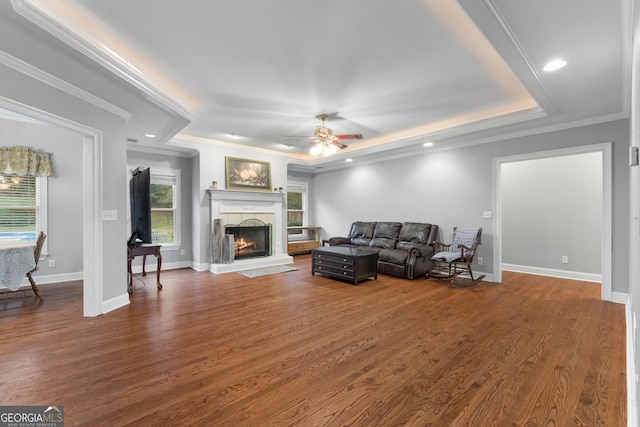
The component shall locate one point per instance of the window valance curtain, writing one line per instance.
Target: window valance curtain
(24, 161)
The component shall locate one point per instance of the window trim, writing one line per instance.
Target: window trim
(300, 187)
(42, 191)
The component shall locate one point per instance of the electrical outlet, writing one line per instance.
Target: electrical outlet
(565, 259)
(52, 263)
(182, 252)
(480, 261)
(487, 214)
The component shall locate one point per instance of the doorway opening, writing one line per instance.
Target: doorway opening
(605, 225)
(91, 204)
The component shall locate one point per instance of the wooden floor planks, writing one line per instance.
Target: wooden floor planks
(296, 349)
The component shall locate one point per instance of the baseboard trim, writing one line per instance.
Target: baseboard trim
(632, 408)
(53, 278)
(115, 303)
(200, 266)
(563, 274)
(137, 269)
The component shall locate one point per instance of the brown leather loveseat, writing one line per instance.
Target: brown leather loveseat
(404, 249)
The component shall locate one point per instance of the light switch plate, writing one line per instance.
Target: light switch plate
(111, 215)
(487, 214)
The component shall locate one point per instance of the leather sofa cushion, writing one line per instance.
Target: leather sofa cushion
(415, 232)
(385, 234)
(393, 256)
(361, 233)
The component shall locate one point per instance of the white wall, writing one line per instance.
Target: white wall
(552, 208)
(454, 187)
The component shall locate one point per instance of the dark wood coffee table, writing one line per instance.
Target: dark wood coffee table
(352, 264)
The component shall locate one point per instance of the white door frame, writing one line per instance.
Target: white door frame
(607, 219)
(91, 201)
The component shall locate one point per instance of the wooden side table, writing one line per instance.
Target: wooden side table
(143, 250)
(302, 246)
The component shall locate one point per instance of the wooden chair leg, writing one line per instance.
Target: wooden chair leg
(35, 287)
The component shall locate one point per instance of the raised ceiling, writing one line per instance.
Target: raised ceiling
(398, 72)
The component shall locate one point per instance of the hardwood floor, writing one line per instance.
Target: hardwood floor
(295, 349)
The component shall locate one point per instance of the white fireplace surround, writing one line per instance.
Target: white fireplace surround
(227, 203)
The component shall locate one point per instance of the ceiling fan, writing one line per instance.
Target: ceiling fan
(325, 142)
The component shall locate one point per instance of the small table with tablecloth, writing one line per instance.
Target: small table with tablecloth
(16, 260)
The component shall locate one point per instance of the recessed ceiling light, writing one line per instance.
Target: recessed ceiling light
(149, 135)
(235, 136)
(555, 64)
(428, 144)
(348, 160)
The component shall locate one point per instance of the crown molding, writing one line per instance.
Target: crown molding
(418, 150)
(167, 150)
(54, 22)
(47, 117)
(53, 81)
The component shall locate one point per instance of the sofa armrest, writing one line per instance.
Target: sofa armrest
(419, 249)
(337, 241)
(414, 255)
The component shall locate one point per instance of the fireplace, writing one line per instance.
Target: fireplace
(251, 238)
(234, 207)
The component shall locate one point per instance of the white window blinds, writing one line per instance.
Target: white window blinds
(19, 207)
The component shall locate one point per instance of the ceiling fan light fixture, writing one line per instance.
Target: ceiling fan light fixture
(323, 148)
(316, 149)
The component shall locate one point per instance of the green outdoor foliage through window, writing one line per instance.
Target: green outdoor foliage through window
(294, 209)
(295, 214)
(162, 213)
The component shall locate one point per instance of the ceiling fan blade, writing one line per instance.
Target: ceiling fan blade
(351, 136)
(311, 144)
(340, 145)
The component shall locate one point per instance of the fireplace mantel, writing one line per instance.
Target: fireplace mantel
(224, 202)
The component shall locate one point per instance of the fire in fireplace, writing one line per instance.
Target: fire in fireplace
(251, 238)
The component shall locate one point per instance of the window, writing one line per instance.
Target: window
(164, 206)
(23, 207)
(297, 215)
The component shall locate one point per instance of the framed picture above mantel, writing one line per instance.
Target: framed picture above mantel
(248, 175)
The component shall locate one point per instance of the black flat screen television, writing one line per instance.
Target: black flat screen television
(140, 204)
